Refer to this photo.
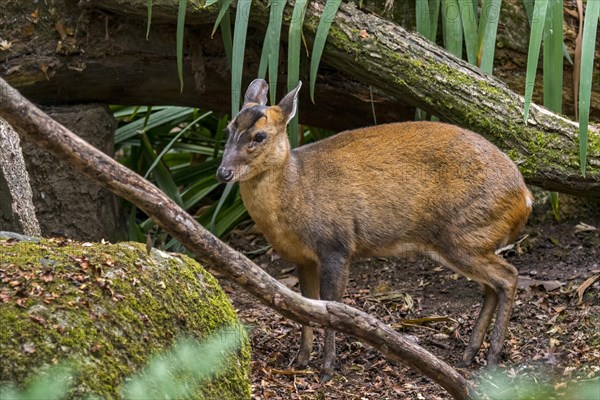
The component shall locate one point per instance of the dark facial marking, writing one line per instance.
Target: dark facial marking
(248, 117)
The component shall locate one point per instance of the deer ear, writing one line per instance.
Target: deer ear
(289, 104)
(257, 92)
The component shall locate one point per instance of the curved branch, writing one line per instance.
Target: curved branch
(31, 121)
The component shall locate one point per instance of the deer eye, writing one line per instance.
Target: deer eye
(259, 137)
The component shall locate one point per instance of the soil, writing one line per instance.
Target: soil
(552, 346)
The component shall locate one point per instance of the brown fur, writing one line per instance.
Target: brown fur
(386, 190)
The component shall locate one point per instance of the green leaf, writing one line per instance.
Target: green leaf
(228, 188)
(434, 6)
(198, 191)
(221, 126)
(242, 15)
(588, 47)
(468, 17)
(161, 173)
(167, 115)
(149, 18)
(535, 41)
(423, 18)
(529, 10)
(226, 35)
(554, 202)
(231, 217)
(223, 11)
(264, 57)
(180, 32)
(168, 146)
(54, 384)
(178, 373)
(331, 8)
(134, 233)
(488, 27)
(452, 25)
(294, 58)
(553, 56)
(274, 31)
(210, 2)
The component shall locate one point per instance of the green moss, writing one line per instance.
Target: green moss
(107, 309)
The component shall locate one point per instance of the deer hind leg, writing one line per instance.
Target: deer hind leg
(499, 279)
(308, 275)
(334, 276)
(504, 278)
(490, 302)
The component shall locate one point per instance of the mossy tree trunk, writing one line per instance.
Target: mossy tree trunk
(106, 43)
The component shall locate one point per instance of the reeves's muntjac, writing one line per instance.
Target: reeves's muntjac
(425, 187)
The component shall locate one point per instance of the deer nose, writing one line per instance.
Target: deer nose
(224, 175)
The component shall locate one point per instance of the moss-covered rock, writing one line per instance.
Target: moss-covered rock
(107, 309)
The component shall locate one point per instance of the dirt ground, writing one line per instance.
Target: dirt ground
(552, 346)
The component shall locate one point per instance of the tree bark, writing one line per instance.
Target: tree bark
(31, 121)
(15, 176)
(398, 64)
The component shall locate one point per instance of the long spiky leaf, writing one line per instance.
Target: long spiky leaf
(223, 10)
(535, 41)
(488, 28)
(423, 18)
(149, 18)
(294, 57)
(331, 8)
(226, 35)
(242, 15)
(553, 56)
(453, 35)
(588, 47)
(274, 29)
(172, 142)
(469, 23)
(180, 32)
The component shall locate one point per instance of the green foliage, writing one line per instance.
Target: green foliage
(274, 34)
(242, 15)
(503, 387)
(189, 360)
(546, 20)
(293, 73)
(535, 43)
(149, 18)
(488, 28)
(453, 28)
(331, 8)
(52, 384)
(179, 39)
(174, 374)
(590, 27)
(178, 149)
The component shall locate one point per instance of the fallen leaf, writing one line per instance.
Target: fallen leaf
(29, 348)
(583, 227)
(583, 287)
(289, 281)
(526, 282)
(37, 319)
(5, 45)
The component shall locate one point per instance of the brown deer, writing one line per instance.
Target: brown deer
(382, 191)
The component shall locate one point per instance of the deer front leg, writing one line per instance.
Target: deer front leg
(334, 276)
(308, 275)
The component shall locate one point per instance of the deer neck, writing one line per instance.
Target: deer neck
(262, 194)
